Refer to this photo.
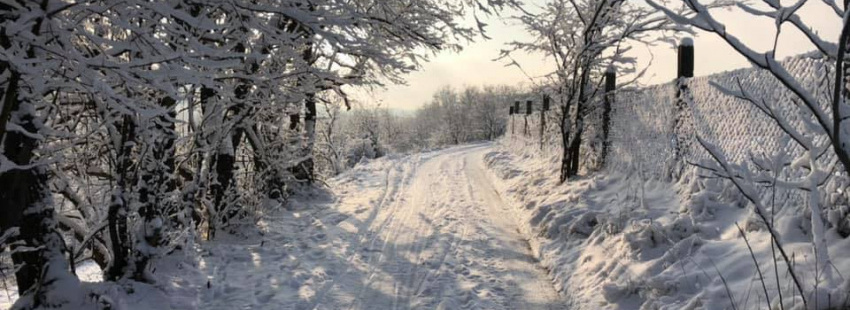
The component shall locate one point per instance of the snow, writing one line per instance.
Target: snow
(425, 231)
(648, 232)
(86, 271)
(620, 239)
(489, 226)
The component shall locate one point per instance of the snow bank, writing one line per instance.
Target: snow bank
(646, 230)
(627, 241)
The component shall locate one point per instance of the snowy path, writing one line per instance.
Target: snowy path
(424, 232)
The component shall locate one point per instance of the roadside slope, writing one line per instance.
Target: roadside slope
(614, 240)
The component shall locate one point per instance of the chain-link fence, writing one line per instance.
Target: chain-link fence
(644, 134)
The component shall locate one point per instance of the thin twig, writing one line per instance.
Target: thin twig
(755, 261)
(725, 284)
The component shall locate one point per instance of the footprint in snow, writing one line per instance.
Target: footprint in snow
(264, 297)
(335, 218)
(498, 289)
(319, 237)
(317, 254)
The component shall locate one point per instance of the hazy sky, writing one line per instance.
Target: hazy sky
(475, 66)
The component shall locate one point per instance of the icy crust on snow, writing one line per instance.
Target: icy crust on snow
(627, 241)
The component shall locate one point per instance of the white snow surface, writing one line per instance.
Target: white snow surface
(425, 231)
(487, 226)
(620, 239)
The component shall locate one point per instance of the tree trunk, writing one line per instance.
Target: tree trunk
(201, 142)
(18, 185)
(157, 184)
(25, 202)
(610, 86)
(575, 144)
(310, 127)
(565, 142)
(225, 159)
(223, 162)
(25, 198)
(117, 213)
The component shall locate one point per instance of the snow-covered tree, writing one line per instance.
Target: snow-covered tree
(130, 116)
(818, 128)
(583, 39)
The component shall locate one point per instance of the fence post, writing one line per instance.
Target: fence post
(610, 86)
(527, 113)
(543, 119)
(680, 125)
(686, 58)
(510, 119)
(516, 111)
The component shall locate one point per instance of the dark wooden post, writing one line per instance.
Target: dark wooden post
(610, 86)
(686, 58)
(681, 128)
(516, 111)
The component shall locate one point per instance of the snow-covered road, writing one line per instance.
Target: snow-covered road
(439, 236)
(425, 231)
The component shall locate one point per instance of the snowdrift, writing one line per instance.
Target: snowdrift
(649, 230)
(625, 241)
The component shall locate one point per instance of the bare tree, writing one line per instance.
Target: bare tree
(584, 38)
(820, 137)
(92, 92)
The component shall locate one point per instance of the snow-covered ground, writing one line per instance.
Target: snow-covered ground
(620, 240)
(426, 231)
(487, 226)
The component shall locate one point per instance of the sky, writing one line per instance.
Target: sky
(475, 65)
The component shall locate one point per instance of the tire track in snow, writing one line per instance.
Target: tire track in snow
(525, 273)
(416, 276)
(403, 250)
(391, 191)
(390, 235)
